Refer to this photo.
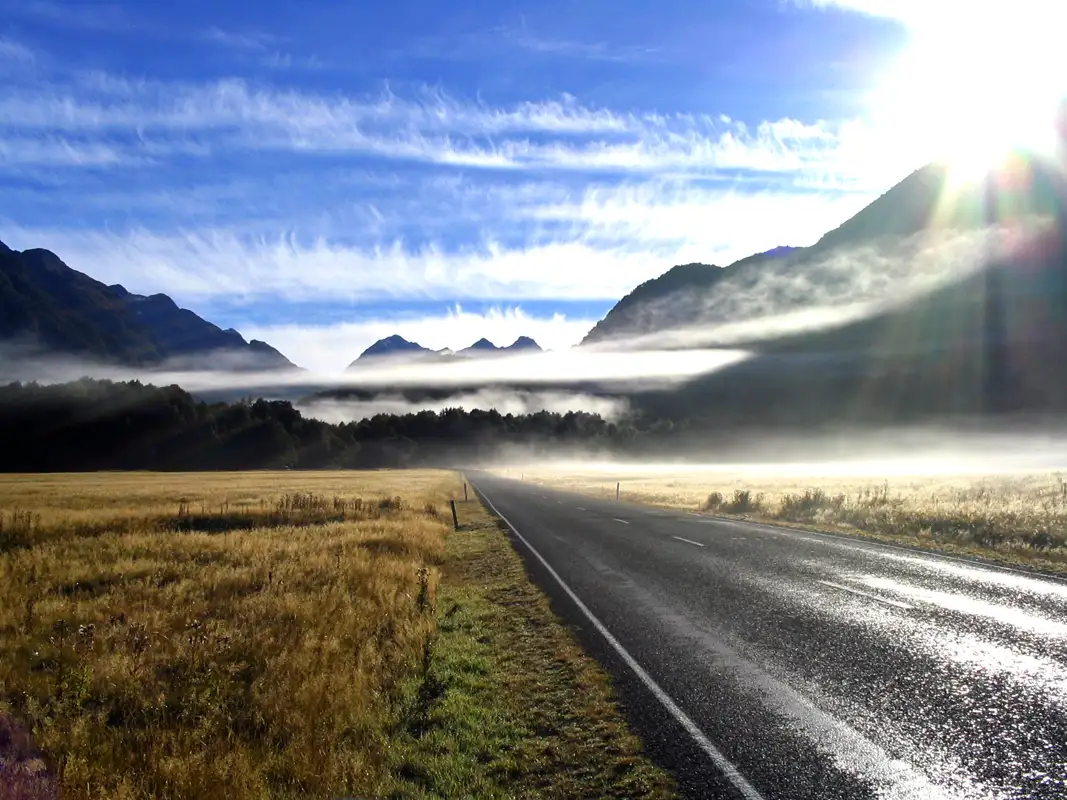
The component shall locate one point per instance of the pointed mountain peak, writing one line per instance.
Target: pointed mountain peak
(5, 249)
(523, 343)
(392, 345)
(481, 344)
(162, 301)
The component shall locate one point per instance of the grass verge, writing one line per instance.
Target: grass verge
(508, 704)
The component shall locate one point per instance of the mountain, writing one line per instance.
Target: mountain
(47, 305)
(485, 347)
(398, 347)
(787, 279)
(480, 347)
(523, 343)
(678, 297)
(391, 346)
(988, 337)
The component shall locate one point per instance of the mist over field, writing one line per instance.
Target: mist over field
(1024, 445)
(238, 376)
(501, 400)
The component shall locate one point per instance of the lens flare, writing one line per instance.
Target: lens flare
(977, 81)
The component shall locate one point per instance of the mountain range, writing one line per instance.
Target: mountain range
(47, 306)
(397, 347)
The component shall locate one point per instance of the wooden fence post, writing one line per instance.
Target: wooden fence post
(464, 490)
(618, 486)
(455, 517)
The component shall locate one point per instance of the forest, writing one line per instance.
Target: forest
(101, 425)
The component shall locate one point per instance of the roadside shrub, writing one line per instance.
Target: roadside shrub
(807, 505)
(714, 502)
(874, 496)
(743, 502)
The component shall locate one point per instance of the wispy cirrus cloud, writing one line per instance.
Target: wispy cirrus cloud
(574, 48)
(501, 40)
(54, 151)
(10, 50)
(208, 263)
(526, 241)
(243, 40)
(432, 127)
(278, 60)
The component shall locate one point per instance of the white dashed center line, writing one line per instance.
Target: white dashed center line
(688, 541)
(868, 595)
(624, 522)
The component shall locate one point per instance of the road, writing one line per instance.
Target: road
(759, 662)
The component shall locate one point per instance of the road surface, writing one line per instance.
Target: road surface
(758, 662)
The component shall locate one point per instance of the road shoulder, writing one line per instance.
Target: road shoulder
(508, 704)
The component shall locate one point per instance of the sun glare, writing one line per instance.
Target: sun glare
(976, 82)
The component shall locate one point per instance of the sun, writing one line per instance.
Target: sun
(977, 82)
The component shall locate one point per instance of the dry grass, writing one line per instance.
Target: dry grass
(217, 635)
(284, 635)
(1011, 518)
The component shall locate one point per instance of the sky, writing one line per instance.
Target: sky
(323, 174)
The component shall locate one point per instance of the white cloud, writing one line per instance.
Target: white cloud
(330, 348)
(209, 264)
(572, 48)
(725, 224)
(525, 235)
(282, 61)
(57, 151)
(431, 127)
(249, 40)
(539, 242)
(13, 51)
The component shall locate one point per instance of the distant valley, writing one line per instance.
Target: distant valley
(936, 299)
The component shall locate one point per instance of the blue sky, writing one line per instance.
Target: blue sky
(321, 174)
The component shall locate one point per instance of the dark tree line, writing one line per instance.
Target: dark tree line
(91, 425)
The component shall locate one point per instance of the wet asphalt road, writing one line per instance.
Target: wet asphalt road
(783, 664)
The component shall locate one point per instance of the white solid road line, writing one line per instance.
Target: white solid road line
(868, 595)
(624, 522)
(731, 773)
(580, 508)
(688, 541)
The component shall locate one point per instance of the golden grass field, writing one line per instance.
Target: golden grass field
(1021, 518)
(254, 635)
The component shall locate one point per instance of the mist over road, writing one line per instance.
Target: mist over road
(765, 663)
